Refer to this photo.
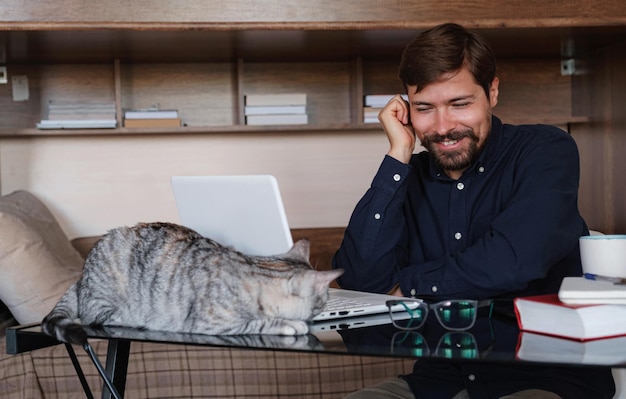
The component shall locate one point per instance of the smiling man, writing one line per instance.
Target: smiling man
(451, 117)
(490, 210)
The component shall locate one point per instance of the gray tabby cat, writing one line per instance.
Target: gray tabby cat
(162, 276)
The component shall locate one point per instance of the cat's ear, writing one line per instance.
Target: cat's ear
(300, 250)
(324, 278)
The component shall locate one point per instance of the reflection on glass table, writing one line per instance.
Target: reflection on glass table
(544, 348)
(451, 345)
(482, 336)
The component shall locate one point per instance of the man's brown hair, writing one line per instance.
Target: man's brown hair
(446, 49)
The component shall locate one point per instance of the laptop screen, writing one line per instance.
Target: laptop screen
(243, 211)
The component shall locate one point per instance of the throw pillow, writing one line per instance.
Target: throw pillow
(37, 261)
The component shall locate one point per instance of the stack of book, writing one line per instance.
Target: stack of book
(276, 109)
(373, 104)
(151, 117)
(582, 310)
(584, 323)
(79, 115)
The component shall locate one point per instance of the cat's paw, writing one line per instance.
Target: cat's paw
(294, 327)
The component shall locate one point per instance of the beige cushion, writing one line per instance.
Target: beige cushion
(37, 261)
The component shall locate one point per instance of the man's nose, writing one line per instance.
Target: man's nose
(444, 122)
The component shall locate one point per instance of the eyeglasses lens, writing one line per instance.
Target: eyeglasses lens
(456, 315)
(412, 317)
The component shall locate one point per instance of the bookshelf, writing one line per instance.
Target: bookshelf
(202, 60)
(206, 73)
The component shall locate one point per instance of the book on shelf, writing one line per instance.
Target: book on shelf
(540, 347)
(379, 100)
(77, 124)
(274, 109)
(151, 114)
(157, 122)
(80, 115)
(581, 290)
(275, 99)
(370, 114)
(546, 314)
(294, 119)
(71, 110)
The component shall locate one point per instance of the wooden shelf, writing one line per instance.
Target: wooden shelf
(203, 62)
(233, 129)
(69, 43)
(209, 95)
(203, 59)
(277, 129)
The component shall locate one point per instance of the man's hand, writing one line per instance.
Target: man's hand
(396, 291)
(395, 120)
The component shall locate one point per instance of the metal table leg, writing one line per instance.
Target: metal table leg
(79, 371)
(114, 376)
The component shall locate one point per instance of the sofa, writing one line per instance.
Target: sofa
(37, 264)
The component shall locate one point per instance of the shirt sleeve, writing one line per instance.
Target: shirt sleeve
(374, 245)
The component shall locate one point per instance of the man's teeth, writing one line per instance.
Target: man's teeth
(450, 142)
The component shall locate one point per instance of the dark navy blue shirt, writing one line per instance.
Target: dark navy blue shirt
(508, 227)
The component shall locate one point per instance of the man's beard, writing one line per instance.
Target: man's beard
(453, 160)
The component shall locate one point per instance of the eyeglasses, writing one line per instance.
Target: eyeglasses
(455, 314)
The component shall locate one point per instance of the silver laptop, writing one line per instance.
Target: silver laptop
(350, 323)
(243, 211)
(247, 213)
(348, 303)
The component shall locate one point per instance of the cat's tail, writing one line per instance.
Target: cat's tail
(61, 322)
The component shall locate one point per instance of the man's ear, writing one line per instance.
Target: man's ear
(493, 92)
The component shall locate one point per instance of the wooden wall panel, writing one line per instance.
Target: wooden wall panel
(533, 91)
(602, 142)
(619, 141)
(326, 84)
(203, 93)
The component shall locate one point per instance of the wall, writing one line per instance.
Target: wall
(95, 183)
(602, 142)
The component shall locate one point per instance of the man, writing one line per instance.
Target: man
(488, 211)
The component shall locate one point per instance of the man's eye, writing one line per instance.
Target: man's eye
(460, 105)
(423, 109)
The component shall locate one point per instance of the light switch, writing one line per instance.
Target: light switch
(20, 87)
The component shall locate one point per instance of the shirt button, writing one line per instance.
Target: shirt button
(460, 186)
(434, 288)
(458, 236)
(471, 377)
(397, 177)
(481, 169)
(377, 216)
(413, 292)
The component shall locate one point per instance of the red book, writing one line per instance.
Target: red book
(546, 314)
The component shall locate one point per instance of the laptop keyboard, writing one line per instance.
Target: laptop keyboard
(336, 303)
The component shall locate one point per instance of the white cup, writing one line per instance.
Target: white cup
(604, 255)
